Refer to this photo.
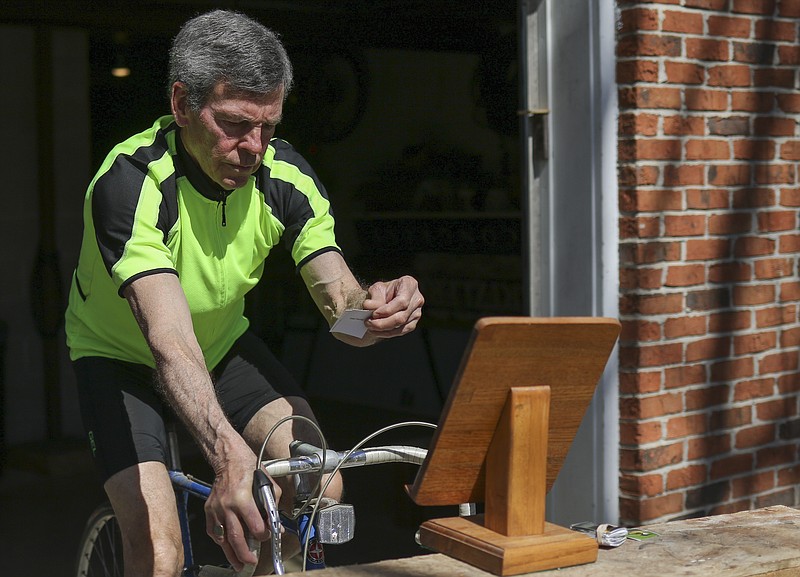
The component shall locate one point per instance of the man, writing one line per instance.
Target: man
(178, 222)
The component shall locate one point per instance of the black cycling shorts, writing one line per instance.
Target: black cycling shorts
(123, 414)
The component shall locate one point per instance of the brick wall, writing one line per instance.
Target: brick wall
(709, 195)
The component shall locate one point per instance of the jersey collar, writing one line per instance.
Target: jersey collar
(198, 179)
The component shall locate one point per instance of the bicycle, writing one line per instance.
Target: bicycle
(315, 520)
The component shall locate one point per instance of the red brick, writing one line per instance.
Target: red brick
(789, 8)
(754, 436)
(789, 103)
(790, 150)
(638, 175)
(649, 149)
(685, 375)
(730, 223)
(789, 384)
(684, 326)
(789, 291)
(775, 316)
(685, 275)
(789, 476)
(639, 382)
(765, 7)
(778, 409)
(770, 29)
(753, 295)
(754, 343)
(657, 200)
(660, 304)
(707, 299)
(687, 426)
(707, 149)
(652, 355)
(732, 369)
(640, 278)
(753, 197)
(682, 22)
(771, 268)
(773, 221)
(650, 252)
(639, 330)
(778, 363)
(649, 45)
(754, 246)
(778, 455)
(789, 243)
(639, 433)
(753, 52)
(718, 5)
(729, 175)
(753, 389)
(639, 227)
(729, 321)
(732, 75)
(649, 407)
(729, 466)
(754, 149)
(730, 272)
(707, 199)
(730, 508)
(645, 460)
(788, 55)
(729, 27)
(646, 97)
(753, 484)
(728, 125)
(705, 99)
(641, 485)
(643, 124)
(707, 446)
(790, 197)
(775, 174)
(636, 19)
(712, 348)
(639, 512)
(752, 101)
(774, 126)
(708, 49)
(684, 73)
(779, 77)
(632, 71)
(790, 337)
(684, 174)
(731, 418)
(707, 249)
(686, 477)
(680, 125)
(684, 225)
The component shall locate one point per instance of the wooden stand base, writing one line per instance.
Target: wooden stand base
(468, 540)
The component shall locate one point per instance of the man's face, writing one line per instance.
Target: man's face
(228, 136)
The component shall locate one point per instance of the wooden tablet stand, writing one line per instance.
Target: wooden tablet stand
(519, 397)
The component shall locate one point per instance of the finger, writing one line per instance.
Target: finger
(236, 541)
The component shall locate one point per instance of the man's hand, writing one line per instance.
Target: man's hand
(231, 506)
(396, 307)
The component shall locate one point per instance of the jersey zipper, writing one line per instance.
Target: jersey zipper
(223, 201)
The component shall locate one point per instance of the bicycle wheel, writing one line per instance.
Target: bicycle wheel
(100, 553)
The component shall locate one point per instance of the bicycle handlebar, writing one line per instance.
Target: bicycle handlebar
(311, 460)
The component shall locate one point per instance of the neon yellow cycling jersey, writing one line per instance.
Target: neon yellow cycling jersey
(150, 209)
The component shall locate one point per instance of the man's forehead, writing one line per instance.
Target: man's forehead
(261, 107)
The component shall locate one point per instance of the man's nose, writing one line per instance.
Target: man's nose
(253, 141)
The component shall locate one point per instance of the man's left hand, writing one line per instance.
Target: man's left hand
(396, 307)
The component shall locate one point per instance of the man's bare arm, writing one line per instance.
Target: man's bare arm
(396, 305)
(160, 308)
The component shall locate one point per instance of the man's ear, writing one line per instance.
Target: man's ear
(180, 103)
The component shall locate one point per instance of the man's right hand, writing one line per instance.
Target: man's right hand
(232, 506)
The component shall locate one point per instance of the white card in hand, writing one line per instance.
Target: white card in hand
(352, 323)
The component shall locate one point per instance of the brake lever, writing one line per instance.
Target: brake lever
(265, 501)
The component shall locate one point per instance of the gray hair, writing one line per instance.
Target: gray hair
(229, 47)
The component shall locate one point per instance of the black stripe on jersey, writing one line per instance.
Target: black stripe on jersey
(288, 204)
(116, 195)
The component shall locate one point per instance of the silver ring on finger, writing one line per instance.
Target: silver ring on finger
(219, 531)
